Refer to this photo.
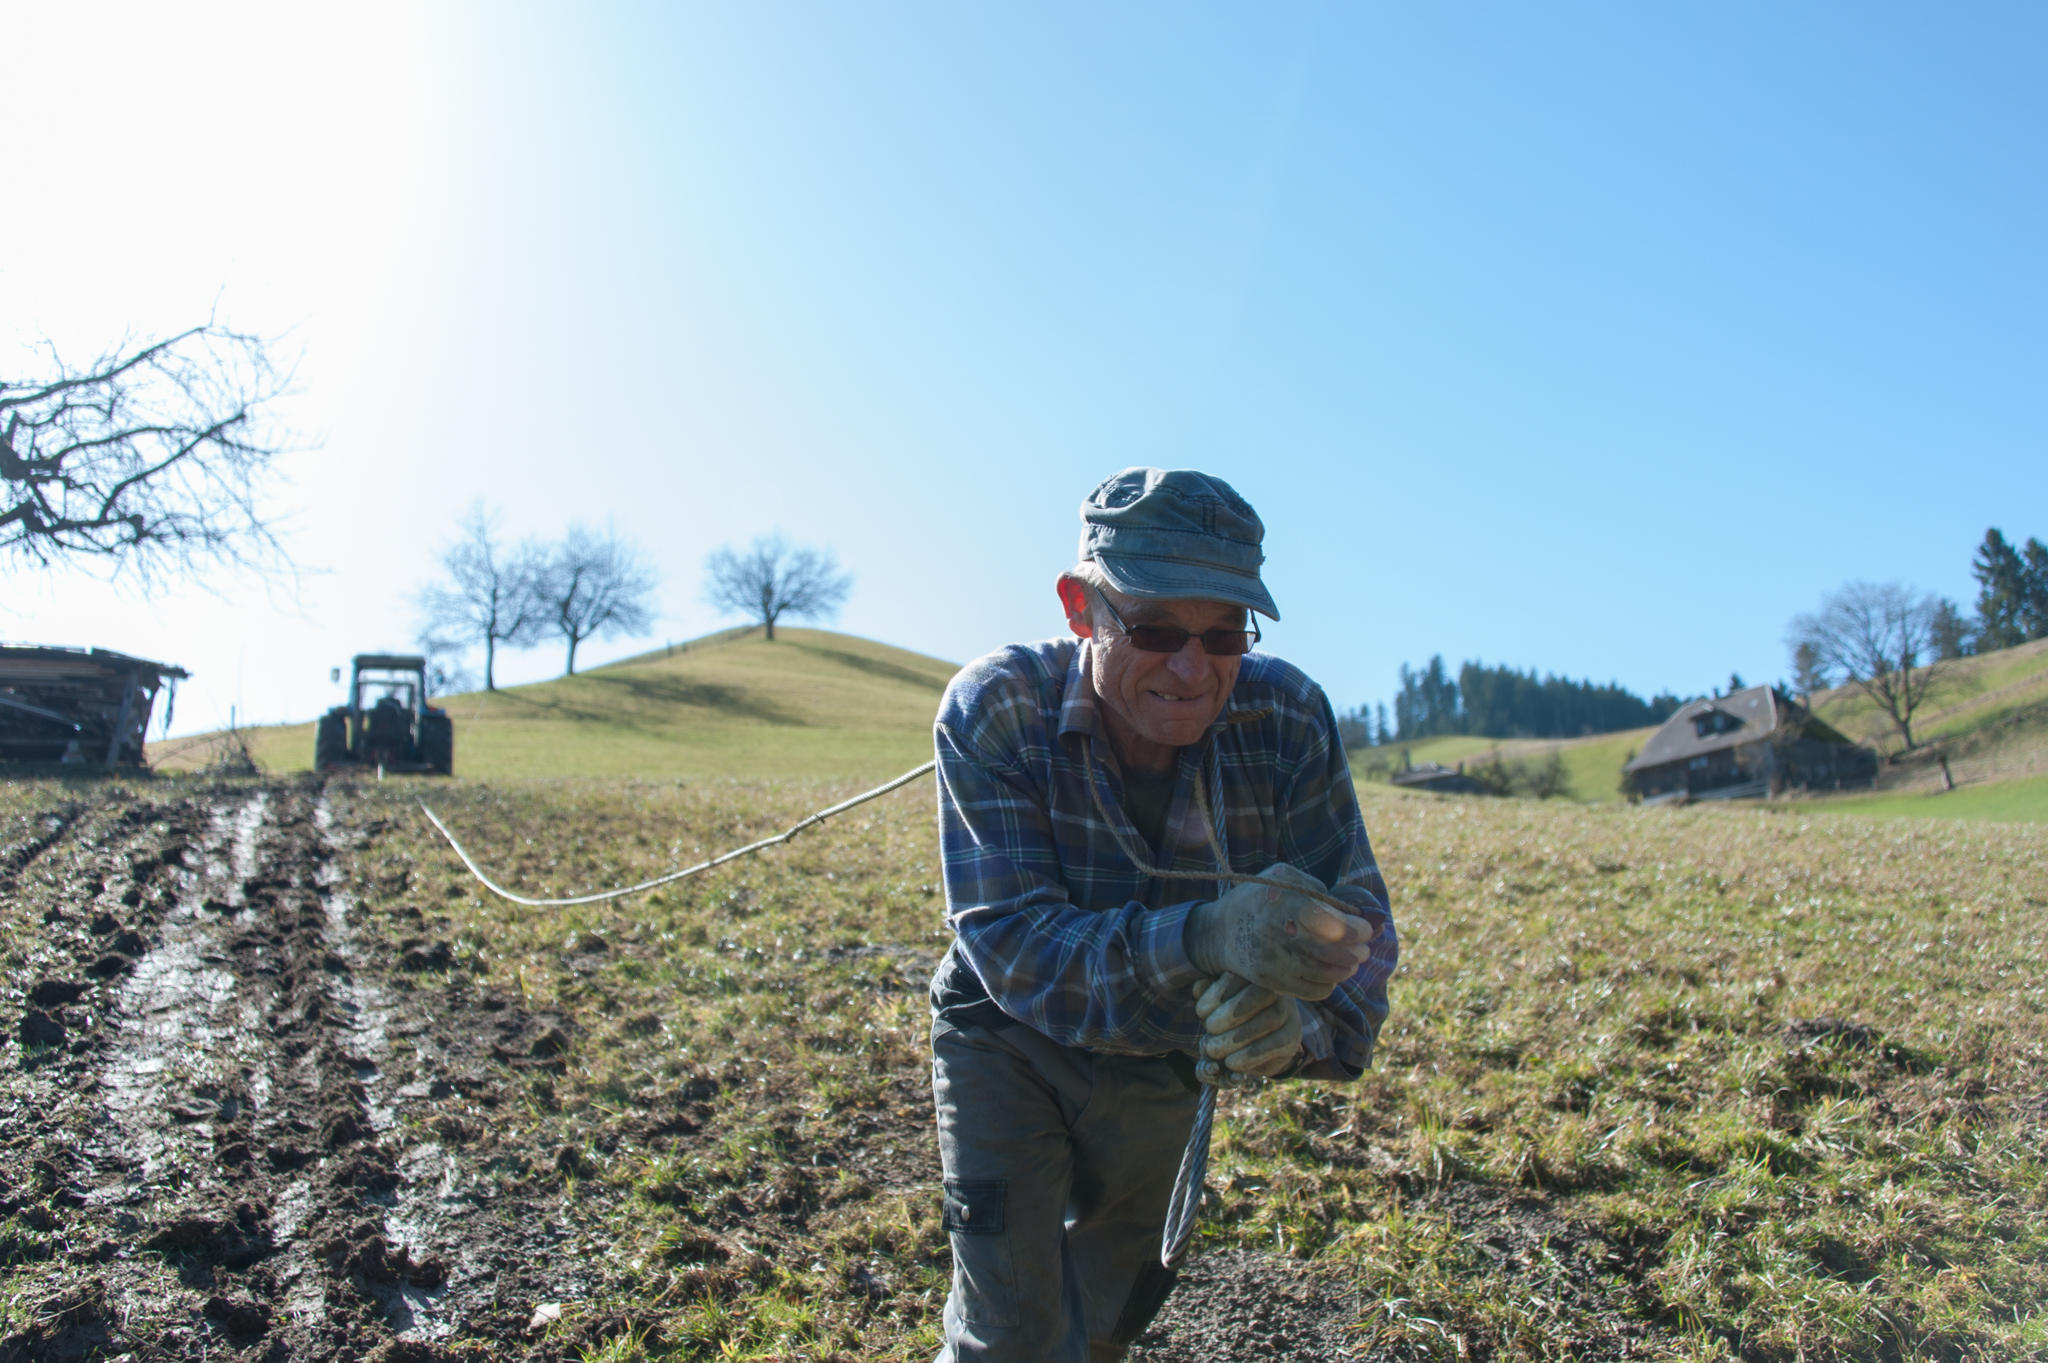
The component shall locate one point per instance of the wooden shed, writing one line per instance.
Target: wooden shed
(77, 704)
(1439, 778)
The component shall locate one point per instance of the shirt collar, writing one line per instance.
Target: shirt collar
(1078, 712)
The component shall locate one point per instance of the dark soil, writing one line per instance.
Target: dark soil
(225, 1135)
(1238, 1304)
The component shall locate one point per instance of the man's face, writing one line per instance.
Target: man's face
(1154, 703)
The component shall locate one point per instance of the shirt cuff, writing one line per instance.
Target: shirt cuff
(1316, 1041)
(1162, 957)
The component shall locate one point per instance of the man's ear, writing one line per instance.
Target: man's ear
(1074, 597)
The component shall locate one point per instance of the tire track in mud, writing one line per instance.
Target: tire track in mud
(56, 824)
(235, 1134)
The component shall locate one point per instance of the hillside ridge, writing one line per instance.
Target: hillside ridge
(812, 704)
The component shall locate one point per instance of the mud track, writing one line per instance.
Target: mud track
(229, 1135)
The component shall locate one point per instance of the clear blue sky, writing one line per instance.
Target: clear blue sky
(1600, 339)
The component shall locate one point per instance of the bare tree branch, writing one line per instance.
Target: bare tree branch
(772, 579)
(152, 460)
(596, 585)
(493, 594)
(1880, 637)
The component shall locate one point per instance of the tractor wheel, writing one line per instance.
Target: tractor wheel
(330, 741)
(437, 743)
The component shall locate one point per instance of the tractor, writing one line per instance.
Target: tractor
(387, 722)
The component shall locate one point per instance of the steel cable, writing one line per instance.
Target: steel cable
(1179, 1232)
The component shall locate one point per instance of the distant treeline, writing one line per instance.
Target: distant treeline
(1501, 702)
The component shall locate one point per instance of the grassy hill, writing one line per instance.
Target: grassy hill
(813, 704)
(1592, 764)
(1988, 717)
(1978, 693)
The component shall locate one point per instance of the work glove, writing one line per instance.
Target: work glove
(1247, 1030)
(1269, 935)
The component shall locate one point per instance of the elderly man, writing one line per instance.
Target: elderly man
(1083, 986)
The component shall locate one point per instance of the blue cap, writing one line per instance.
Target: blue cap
(1176, 533)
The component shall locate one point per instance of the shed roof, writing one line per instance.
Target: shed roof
(1758, 712)
(53, 660)
(1425, 773)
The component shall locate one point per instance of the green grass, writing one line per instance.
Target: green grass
(1688, 1084)
(1592, 764)
(1977, 692)
(2021, 801)
(813, 704)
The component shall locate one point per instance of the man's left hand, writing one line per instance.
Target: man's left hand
(1249, 1029)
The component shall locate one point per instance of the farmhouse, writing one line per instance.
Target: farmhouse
(1749, 743)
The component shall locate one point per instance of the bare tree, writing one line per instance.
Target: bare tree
(152, 458)
(1880, 637)
(595, 585)
(493, 596)
(447, 671)
(772, 579)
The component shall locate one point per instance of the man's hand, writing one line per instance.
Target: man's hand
(1272, 936)
(1250, 1030)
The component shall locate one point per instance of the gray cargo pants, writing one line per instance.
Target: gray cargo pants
(1058, 1167)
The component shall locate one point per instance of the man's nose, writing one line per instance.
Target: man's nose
(1190, 661)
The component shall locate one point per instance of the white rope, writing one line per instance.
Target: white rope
(1221, 876)
(495, 888)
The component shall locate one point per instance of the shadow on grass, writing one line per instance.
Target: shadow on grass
(659, 691)
(873, 666)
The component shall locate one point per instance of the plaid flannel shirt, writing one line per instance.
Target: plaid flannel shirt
(1049, 915)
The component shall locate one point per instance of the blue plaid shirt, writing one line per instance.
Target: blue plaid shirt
(1053, 922)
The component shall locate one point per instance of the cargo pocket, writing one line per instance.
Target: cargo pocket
(984, 1276)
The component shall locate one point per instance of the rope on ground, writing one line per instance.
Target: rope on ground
(495, 888)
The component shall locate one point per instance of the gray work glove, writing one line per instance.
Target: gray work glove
(1266, 934)
(1248, 1030)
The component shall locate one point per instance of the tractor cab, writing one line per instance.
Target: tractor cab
(386, 722)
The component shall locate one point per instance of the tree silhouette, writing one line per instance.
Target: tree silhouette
(772, 579)
(1880, 637)
(152, 459)
(595, 585)
(493, 593)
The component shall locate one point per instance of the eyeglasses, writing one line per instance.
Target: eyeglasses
(1217, 643)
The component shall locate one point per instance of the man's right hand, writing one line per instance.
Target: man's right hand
(1272, 935)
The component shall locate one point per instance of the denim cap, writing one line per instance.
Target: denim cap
(1165, 533)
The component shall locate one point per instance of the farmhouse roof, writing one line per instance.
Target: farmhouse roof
(1730, 721)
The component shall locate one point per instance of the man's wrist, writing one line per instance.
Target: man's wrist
(1162, 955)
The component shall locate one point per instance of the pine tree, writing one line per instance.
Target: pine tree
(1951, 631)
(2002, 592)
(1809, 674)
(2034, 589)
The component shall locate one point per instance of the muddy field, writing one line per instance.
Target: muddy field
(249, 1118)
(281, 1084)
(228, 1132)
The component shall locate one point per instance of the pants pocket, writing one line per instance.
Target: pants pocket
(984, 1273)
